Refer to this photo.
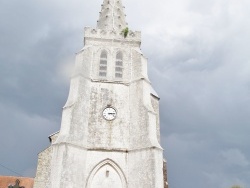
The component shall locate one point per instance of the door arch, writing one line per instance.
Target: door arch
(106, 174)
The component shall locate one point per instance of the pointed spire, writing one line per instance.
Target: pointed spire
(112, 16)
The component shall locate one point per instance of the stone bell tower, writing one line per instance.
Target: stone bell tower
(110, 134)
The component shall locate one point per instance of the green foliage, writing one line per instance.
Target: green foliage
(236, 186)
(125, 32)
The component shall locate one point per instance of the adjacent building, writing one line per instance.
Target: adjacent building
(16, 182)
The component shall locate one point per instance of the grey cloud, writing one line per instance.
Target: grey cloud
(22, 137)
(202, 77)
(234, 157)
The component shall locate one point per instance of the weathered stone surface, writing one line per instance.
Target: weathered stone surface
(112, 16)
(91, 152)
(165, 174)
(44, 165)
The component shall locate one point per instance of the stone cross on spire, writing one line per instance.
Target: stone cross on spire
(112, 16)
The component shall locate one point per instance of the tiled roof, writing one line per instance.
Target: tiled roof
(5, 181)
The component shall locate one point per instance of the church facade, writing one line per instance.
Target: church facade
(110, 129)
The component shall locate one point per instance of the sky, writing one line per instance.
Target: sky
(198, 62)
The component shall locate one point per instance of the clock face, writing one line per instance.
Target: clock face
(109, 113)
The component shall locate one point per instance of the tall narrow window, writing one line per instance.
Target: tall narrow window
(103, 64)
(119, 65)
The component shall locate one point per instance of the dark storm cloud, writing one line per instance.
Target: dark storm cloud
(198, 63)
(201, 71)
(34, 43)
(31, 52)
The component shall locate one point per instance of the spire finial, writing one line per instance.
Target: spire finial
(112, 16)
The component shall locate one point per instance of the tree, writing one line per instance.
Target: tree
(236, 186)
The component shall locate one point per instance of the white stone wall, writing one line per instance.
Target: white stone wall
(89, 149)
(73, 167)
(103, 133)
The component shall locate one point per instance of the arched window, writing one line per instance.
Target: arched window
(119, 65)
(103, 64)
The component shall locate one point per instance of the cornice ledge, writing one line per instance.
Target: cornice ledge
(104, 149)
(110, 81)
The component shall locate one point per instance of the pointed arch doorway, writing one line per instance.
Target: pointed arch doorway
(107, 174)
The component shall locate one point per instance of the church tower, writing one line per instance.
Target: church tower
(110, 133)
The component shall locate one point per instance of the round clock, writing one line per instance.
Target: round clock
(109, 113)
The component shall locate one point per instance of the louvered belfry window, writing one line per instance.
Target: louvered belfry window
(119, 65)
(103, 64)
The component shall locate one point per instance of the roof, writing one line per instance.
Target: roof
(112, 16)
(153, 92)
(5, 181)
